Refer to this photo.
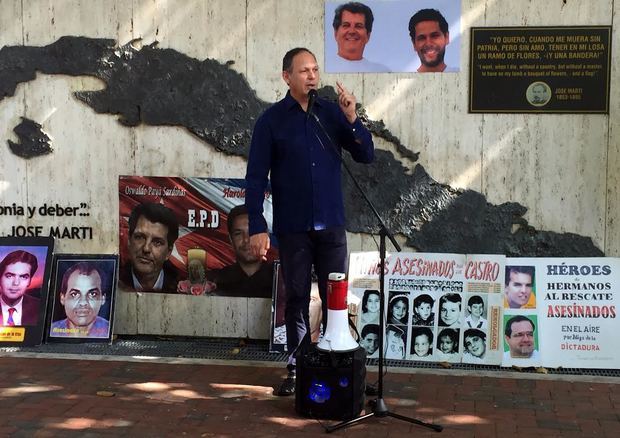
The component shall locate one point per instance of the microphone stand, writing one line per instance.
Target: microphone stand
(379, 407)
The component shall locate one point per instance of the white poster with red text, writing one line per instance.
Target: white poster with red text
(482, 336)
(492, 310)
(578, 303)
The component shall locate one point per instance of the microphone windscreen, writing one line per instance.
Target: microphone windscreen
(312, 95)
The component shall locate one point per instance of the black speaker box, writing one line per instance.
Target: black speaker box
(330, 385)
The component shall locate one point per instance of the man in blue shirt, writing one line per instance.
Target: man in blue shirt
(305, 173)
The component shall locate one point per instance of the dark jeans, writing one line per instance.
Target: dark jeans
(327, 251)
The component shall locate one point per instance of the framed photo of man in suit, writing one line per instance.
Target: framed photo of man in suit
(82, 307)
(25, 264)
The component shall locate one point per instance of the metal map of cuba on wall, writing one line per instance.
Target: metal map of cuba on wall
(540, 69)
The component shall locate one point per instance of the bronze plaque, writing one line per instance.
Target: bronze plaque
(540, 69)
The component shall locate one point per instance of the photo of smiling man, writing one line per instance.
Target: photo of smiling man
(519, 288)
(395, 36)
(430, 36)
(352, 25)
(521, 341)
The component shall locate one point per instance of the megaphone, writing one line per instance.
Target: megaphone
(337, 336)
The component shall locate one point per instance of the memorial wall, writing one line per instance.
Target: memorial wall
(91, 91)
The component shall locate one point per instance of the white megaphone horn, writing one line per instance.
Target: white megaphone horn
(337, 336)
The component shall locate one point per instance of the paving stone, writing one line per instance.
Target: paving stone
(58, 397)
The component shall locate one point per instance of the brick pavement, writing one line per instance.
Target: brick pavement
(66, 396)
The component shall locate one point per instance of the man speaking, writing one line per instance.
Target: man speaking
(305, 181)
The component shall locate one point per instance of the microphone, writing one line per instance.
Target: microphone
(312, 95)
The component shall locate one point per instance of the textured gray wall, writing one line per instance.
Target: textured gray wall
(154, 86)
(445, 179)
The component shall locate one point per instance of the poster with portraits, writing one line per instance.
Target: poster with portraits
(176, 236)
(277, 335)
(395, 36)
(492, 310)
(82, 303)
(521, 330)
(364, 298)
(482, 337)
(25, 265)
(424, 306)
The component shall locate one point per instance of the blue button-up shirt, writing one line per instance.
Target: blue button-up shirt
(305, 168)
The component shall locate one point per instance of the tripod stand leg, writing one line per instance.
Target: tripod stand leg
(435, 427)
(380, 409)
(348, 423)
(378, 406)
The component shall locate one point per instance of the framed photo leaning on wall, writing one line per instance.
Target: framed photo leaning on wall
(25, 264)
(82, 305)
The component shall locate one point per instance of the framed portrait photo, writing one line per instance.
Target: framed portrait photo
(277, 335)
(25, 265)
(82, 305)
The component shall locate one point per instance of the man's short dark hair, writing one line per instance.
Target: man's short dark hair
(476, 299)
(159, 213)
(354, 8)
(234, 213)
(82, 268)
(19, 256)
(427, 15)
(287, 61)
(528, 270)
(517, 318)
(370, 329)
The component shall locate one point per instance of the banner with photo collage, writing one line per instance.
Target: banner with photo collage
(414, 284)
(441, 307)
(489, 309)
(204, 259)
